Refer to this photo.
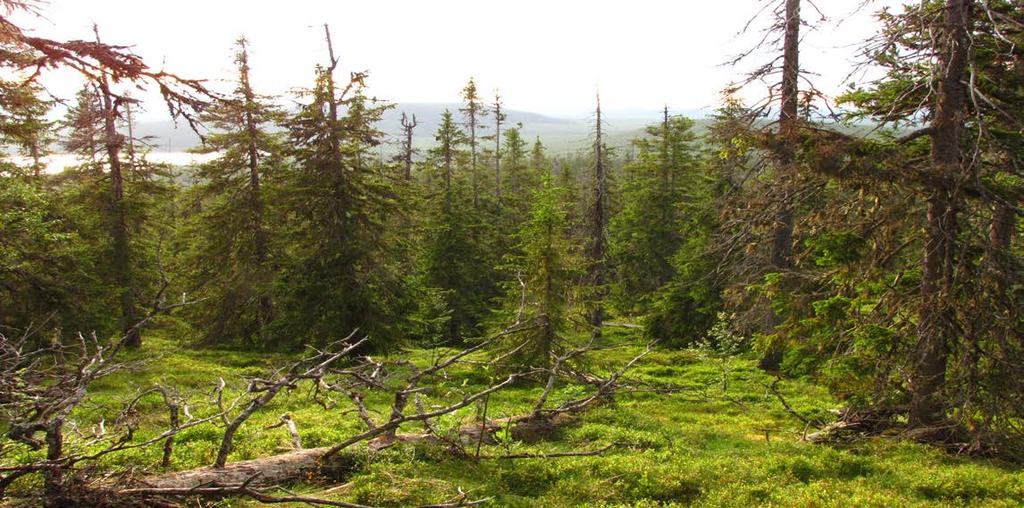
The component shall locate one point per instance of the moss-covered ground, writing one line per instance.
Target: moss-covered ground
(720, 440)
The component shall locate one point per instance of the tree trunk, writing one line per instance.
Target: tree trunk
(782, 229)
(936, 331)
(266, 307)
(1000, 233)
(782, 237)
(54, 478)
(407, 129)
(121, 256)
(598, 226)
(276, 469)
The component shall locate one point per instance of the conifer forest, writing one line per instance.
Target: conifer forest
(797, 296)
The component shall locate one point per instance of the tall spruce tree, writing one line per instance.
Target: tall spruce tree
(473, 111)
(650, 228)
(499, 119)
(118, 202)
(231, 259)
(687, 306)
(455, 263)
(121, 248)
(337, 200)
(597, 217)
(943, 55)
(542, 292)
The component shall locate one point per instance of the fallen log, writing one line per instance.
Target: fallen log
(325, 462)
(276, 469)
(317, 462)
(856, 423)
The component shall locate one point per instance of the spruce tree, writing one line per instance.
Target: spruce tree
(83, 126)
(119, 203)
(231, 258)
(337, 202)
(473, 112)
(520, 180)
(650, 227)
(597, 216)
(541, 293)
(686, 307)
(499, 120)
(539, 157)
(456, 265)
(446, 157)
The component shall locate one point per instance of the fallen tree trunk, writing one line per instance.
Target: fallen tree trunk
(312, 462)
(275, 469)
(325, 461)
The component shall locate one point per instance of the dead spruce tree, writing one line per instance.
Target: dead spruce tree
(499, 119)
(597, 227)
(407, 151)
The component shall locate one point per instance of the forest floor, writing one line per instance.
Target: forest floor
(723, 441)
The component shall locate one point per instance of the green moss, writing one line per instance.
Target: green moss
(693, 447)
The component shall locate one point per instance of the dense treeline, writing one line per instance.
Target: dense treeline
(883, 265)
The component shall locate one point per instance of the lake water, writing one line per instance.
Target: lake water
(58, 162)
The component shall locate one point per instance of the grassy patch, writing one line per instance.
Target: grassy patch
(702, 446)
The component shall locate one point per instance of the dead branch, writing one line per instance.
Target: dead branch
(287, 422)
(806, 421)
(313, 367)
(185, 98)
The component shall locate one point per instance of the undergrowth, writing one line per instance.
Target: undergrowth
(721, 439)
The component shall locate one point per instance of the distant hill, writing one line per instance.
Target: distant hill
(559, 135)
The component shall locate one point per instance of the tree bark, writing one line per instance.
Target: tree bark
(299, 464)
(260, 240)
(53, 478)
(121, 256)
(781, 257)
(598, 226)
(936, 330)
(782, 236)
(1000, 232)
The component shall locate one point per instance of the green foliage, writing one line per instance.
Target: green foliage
(457, 263)
(687, 290)
(228, 234)
(46, 268)
(335, 206)
(673, 450)
(520, 181)
(650, 227)
(68, 246)
(834, 249)
(542, 292)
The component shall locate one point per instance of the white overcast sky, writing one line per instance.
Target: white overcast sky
(546, 56)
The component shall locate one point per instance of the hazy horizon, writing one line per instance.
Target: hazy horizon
(544, 57)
